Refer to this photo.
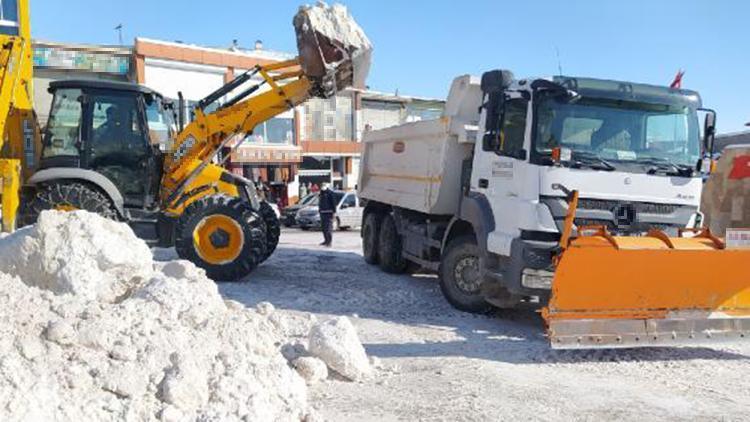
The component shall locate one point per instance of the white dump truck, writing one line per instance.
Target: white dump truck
(480, 195)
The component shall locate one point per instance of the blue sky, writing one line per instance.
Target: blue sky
(420, 46)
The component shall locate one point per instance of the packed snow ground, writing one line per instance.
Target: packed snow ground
(435, 363)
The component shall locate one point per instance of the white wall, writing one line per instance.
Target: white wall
(195, 81)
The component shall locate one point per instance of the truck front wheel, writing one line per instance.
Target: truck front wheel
(389, 247)
(370, 232)
(461, 277)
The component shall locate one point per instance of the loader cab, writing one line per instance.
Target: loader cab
(118, 130)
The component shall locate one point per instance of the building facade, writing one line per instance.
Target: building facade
(735, 138)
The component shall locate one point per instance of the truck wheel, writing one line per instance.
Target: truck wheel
(389, 247)
(460, 276)
(273, 228)
(222, 235)
(370, 233)
(67, 196)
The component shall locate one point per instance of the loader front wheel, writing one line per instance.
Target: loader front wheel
(67, 196)
(460, 276)
(223, 235)
(389, 247)
(370, 232)
(273, 228)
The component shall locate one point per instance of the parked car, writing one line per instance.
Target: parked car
(348, 213)
(289, 215)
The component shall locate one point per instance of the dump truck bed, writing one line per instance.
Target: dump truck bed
(418, 165)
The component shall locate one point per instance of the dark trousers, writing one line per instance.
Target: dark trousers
(326, 223)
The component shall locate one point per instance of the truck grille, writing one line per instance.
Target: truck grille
(640, 207)
(611, 225)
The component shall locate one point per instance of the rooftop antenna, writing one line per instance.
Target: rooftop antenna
(118, 28)
(559, 64)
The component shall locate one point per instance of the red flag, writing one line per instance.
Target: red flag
(677, 82)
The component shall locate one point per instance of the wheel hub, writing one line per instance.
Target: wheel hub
(467, 274)
(218, 239)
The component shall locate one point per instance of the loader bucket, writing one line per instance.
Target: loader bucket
(654, 290)
(334, 52)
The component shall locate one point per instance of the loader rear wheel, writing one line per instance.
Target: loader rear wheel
(460, 276)
(223, 235)
(370, 233)
(67, 196)
(389, 247)
(273, 228)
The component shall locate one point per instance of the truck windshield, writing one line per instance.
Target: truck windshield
(629, 136)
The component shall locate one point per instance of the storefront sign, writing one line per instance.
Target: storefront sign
(92, 61)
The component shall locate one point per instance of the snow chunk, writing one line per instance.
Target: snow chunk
(311, 369)
(335, 341)
(80, 253)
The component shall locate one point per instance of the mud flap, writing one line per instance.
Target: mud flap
(648, 291)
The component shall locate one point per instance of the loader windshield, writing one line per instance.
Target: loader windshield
(631, 136)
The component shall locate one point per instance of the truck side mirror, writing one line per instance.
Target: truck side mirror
(495, 114)
(709, 131)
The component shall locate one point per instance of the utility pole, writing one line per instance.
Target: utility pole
(118, 28)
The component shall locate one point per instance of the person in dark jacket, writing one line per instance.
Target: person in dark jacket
(327, 209)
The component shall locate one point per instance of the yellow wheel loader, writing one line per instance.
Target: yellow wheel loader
(114, 149)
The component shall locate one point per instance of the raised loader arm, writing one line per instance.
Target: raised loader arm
(199, 142)
(334, 54)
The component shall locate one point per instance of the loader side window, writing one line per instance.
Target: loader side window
(61, 137)
(514, 128)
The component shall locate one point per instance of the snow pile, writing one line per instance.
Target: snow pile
(335, 341)
(92, 258)
(88, 334)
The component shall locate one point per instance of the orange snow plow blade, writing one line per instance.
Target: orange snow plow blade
(611, 291)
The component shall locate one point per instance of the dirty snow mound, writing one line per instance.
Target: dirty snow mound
(311, 369)
(79, 253)
(335, 341)
(168, 348)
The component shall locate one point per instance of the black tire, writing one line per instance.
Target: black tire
(67, 195)
(461, 259)
(273, 228)
(370, 233)
(389, 247)
(243, 257)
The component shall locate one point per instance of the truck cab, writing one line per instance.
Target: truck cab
(633, 151)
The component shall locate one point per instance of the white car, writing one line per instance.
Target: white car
(348, 213)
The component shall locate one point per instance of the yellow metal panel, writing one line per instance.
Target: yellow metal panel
(10, 177)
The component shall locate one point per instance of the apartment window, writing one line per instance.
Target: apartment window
(278, 130)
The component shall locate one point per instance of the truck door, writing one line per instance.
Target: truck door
(498, 170)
